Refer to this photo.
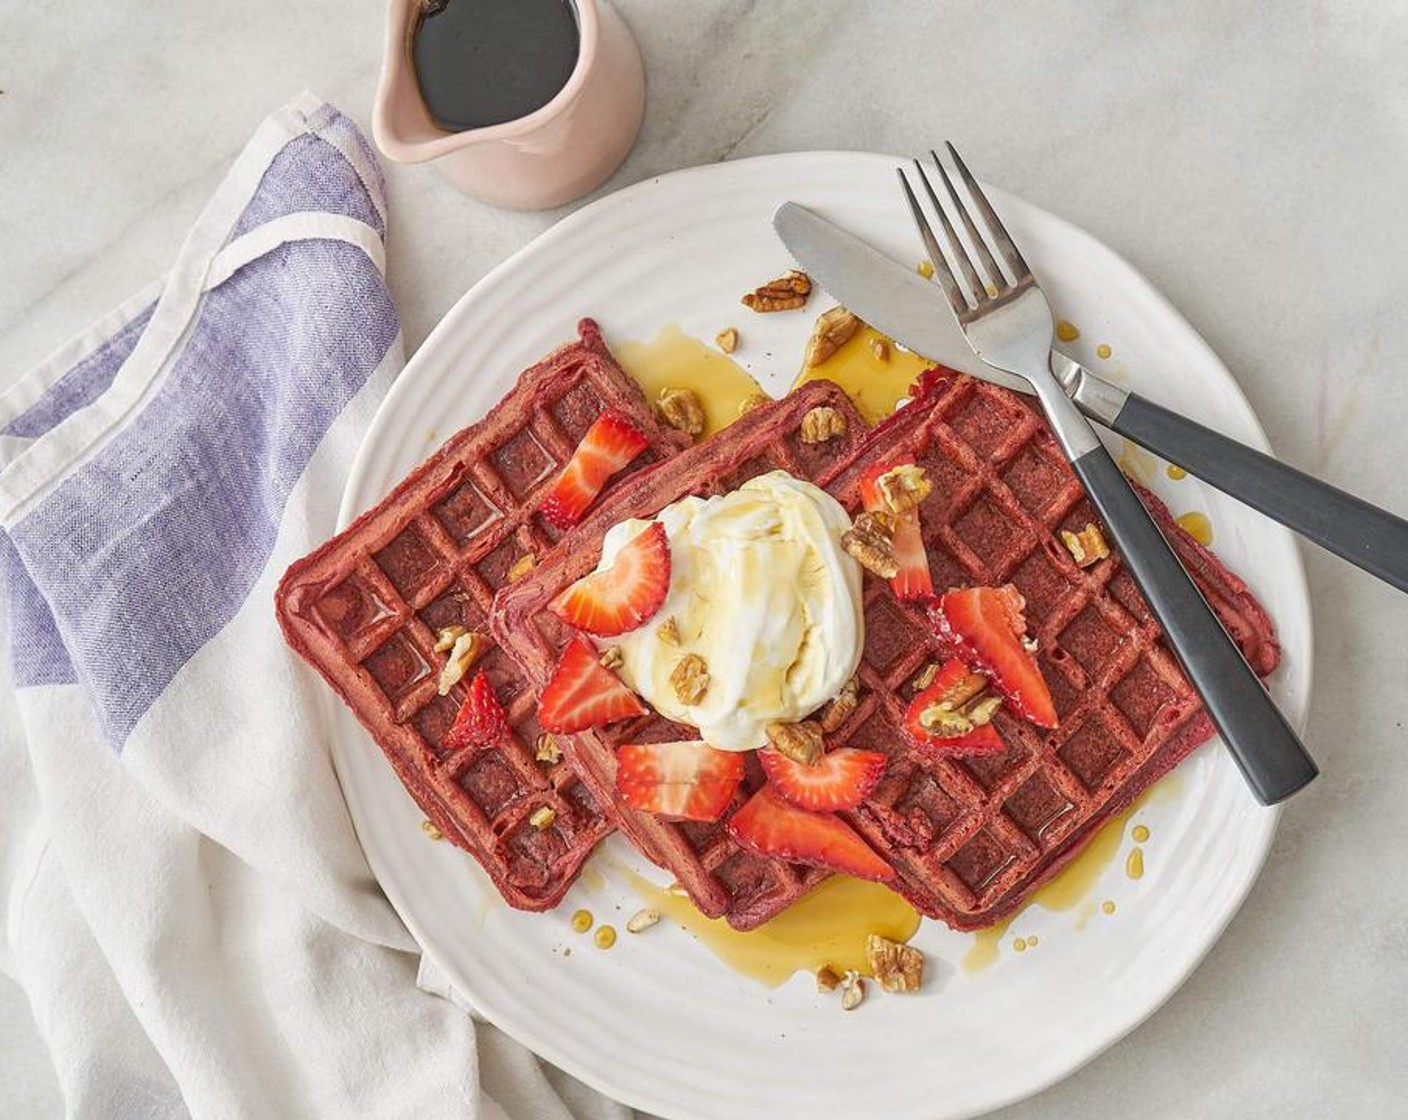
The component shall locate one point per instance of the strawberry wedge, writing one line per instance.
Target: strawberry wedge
(480, 722)
(983, 739)
(770, 825)
(687, 780)
(913, 580)
(621, 597)
(583, 694)
(840, 779)
(609, 444)
(988, 623)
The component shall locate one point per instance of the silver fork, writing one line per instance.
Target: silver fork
(1008, 323)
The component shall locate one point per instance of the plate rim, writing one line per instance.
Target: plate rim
(422, 364)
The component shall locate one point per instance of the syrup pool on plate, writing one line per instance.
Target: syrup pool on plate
(824, 928)
(675, 360)
(874, 372)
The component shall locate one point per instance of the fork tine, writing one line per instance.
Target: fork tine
(965, 263)
(994, 275)
(957, 300)
(995, 228)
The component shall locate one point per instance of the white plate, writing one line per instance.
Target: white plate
(659, 1022)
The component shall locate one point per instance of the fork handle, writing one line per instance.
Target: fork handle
(1267, 749)
(1367, 536)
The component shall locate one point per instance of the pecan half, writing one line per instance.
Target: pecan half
(690, 679)
(896, 967)
(823, 423)
(870, 540)
(1086, 547)
(801, 742)
(786, 293)
(682, 410)
(611, 658)
(966, 704)
(833, 330)
(446, 637)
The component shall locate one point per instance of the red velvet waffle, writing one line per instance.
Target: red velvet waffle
(722, 878)
(971, 838)
(364, 609)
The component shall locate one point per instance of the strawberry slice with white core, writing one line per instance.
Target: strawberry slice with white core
(687, 780)
(583, 694)
(840, 779)
(989, 623)
(608, 445)
(770, 825)
(913, 580)
(621, 597)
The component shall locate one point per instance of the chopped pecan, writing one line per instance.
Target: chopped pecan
(431, 830)
(833, 330)
(870, 540)
(823, 423)
(669, 631)
(896, 967)
(611, 658)
(522, 566)
(926, 677)
(839, 710)
(463, 654)
(690, 679)
(852, 991)
(682, 410)
(1086, 547)
(786, 293)
(881, 349)
(542, 817)
(903, 487)
(446, 637)
(801, 742)
(642, 920)
(546, 749)
(827, 979)
(727, 340)
(943, 722)
(752, 401)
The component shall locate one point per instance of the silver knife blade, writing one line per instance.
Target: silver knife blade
(893, 299)
(896, 300)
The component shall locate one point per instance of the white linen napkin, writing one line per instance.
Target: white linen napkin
(184, 899)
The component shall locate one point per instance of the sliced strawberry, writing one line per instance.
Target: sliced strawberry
(480, 722)
(583, 694)
(989, 625)
(770, 825)
(981, 740)
(609, 444)
(687, 780)
(913, 580)
(840, 779)
(621, 597)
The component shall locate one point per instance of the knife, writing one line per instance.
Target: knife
(897, 301)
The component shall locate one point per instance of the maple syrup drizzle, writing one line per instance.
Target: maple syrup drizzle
(873, 383)
(675, 360)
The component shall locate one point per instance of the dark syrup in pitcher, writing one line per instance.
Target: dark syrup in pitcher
(484, 62)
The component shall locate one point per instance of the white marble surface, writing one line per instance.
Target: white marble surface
(1251, 158)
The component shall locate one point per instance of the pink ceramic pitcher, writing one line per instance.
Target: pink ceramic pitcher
(551, 156)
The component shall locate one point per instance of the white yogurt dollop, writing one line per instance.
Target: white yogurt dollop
(762, 590)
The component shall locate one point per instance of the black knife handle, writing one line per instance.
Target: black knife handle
(1264, 745)
(1365, 535)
